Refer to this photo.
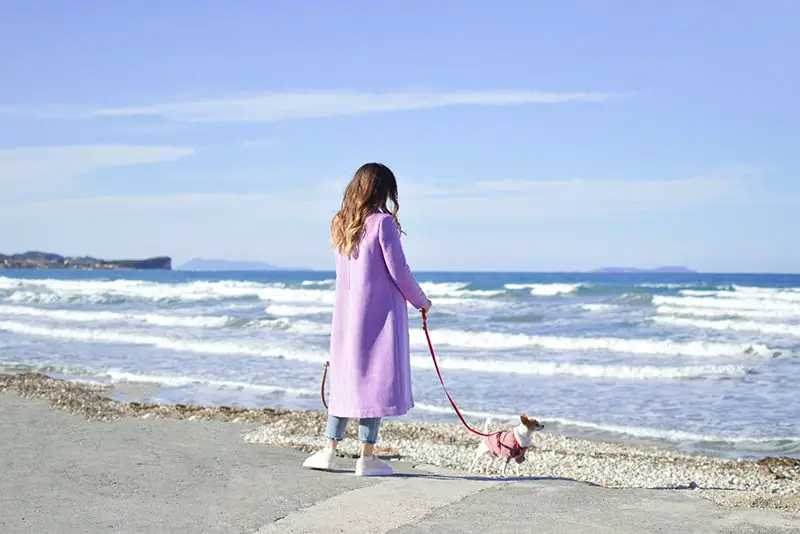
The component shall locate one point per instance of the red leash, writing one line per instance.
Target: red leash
(322, 387)
(438, 372)
(436, 365)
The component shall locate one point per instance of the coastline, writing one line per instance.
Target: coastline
(771, 483)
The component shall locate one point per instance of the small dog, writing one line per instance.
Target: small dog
(509, 445)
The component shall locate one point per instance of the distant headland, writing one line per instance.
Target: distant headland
(200, 264)
(48, 260)
(669, 269)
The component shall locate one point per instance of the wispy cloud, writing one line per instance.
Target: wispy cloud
(570, 199)
(32, 165)
(260, 142)
(530, 200)
(273, 107)
(288, 106)
(293, 222)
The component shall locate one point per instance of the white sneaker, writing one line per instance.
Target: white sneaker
(324, 460)
(372, 467)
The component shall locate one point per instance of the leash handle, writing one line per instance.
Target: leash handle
(322, 387)
(439, 373)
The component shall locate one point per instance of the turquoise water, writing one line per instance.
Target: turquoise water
(705, 363)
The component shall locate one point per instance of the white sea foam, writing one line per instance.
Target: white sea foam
(319, 283)
(50, 291)
(599, 307)
(614, 372)
(295, 326)
(477, 416)
(758, 289)
(748, 293)
(728, 304)
(735, 326)
(724, 312)
(547, 290)
(202, 347)
(669, 435)
(500, 341)
(674, 436)
(115, 376)
(456, 290)
(283, 310)
(419, 362)
(546, 369)
(672, 286)
(198, 321)
(189, 321)
(443, 410)
(456, 304)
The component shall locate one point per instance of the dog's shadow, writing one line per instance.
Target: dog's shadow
(484, 478)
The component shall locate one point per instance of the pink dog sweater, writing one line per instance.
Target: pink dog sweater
(505, 445)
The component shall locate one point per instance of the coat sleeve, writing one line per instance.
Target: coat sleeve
(395, 258)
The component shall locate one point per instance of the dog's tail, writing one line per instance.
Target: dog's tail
(486, 425)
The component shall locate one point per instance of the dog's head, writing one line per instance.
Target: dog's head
(531, 424)
(526, 428)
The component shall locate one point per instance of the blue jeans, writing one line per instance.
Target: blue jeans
(367, 429)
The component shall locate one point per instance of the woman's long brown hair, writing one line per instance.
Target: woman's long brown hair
(371, 190)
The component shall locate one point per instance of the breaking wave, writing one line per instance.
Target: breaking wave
(737, 326)
(419, 362)
(173, 320)
(664, 347)
(457, 290)
(51, 291)
(724, 312)
(546, 290)
(749, 293)
(728, 304)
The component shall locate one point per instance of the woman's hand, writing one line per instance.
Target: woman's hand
(426, 308)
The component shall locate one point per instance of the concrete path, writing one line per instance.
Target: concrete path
(61, 474)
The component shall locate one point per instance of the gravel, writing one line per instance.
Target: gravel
(770, 483)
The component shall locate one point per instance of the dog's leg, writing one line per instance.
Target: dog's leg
(518, 470)
(479, 452)
(474, 463)
(503, 470)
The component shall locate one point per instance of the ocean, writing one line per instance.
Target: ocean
(705, 363)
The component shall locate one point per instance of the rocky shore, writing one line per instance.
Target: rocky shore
(48, 261)
(769, 483)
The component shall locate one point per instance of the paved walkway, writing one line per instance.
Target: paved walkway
(61, 474)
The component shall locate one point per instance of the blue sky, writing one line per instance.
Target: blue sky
(525, 135)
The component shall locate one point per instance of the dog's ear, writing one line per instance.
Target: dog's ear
(524, 419)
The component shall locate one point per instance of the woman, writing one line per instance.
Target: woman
(370, 362)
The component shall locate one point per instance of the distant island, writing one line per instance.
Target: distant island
(48, 260)
(670, 269)
(200, 264)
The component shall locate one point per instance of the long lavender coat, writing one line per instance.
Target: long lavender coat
(370, 372)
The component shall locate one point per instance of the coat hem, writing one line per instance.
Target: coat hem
(386, 411)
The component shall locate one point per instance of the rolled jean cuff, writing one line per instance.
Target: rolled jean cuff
(334, 431)
(367, 429)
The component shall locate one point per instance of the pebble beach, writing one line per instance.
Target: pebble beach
(769, 483)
